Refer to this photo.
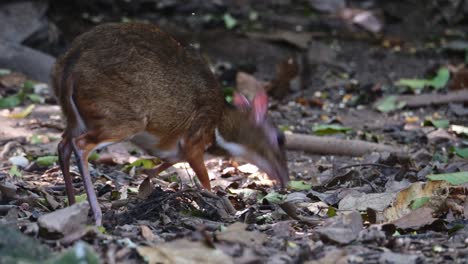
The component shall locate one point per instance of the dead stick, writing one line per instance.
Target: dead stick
(335, 146)
(434, 99)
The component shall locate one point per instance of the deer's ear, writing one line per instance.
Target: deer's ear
(260, 106)
(240, 101)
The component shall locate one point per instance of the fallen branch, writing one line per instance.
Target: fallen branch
(460, 96)
(339, 147)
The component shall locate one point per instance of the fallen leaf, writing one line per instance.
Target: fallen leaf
(183, 251)
(28, 110)
(441, 123)
(12, 79)
(237, 233)
(389, 104)
(299, 186)
(362, 201)
(146, 189)
(274, 197)
(402, 204)
(229, 21)
(10, 101)
(419, 202)
(461, 152)
(438, 82)
(145, 163)
(416, 219)
(147, 233)
(456, 178)
(342, 229)
(323, 130)
(15, 172)
(51, 200)
(47, 161)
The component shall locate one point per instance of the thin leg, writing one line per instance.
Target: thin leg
(64, 152)
(194, 157)
(82, 151)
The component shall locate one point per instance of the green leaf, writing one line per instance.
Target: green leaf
(456, 178)
(93, 156)
(28, 85)
(10, 101)
(102, 230)
(35, 139)
(419, 202)
(438, 82)
(229, 21)
(462, 152)
(322, 130)
(15, 172)
(331, 212)
(145, 163)
(299, 186)
(132, 190)
(81, 198)
(389, 104)
(28, 110)
(441, 123)
(441, 79)
(35, 98)
(46, 160)
(415, 84)
(274, 197)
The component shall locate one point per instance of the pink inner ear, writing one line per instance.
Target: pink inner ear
(240, 101)
(260, 105)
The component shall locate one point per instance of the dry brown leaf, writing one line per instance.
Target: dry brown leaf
(13, 79)
(147, 233)
(146, 189)
(401, 205)
(459, 80)
(183, 251)
(237, 233)
(416, 219)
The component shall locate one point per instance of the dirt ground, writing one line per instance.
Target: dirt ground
(331, 75)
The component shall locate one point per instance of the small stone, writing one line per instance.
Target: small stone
(19, 161)
(65, 221)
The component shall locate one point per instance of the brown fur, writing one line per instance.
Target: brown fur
(130, 78)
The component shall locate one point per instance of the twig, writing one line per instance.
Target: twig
(366, 165)
(434, 99)
(335, 146)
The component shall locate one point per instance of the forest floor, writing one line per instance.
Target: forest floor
(397, 78)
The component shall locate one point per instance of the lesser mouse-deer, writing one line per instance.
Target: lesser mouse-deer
(133, 81)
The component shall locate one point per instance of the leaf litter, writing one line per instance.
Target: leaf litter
(374, 208)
